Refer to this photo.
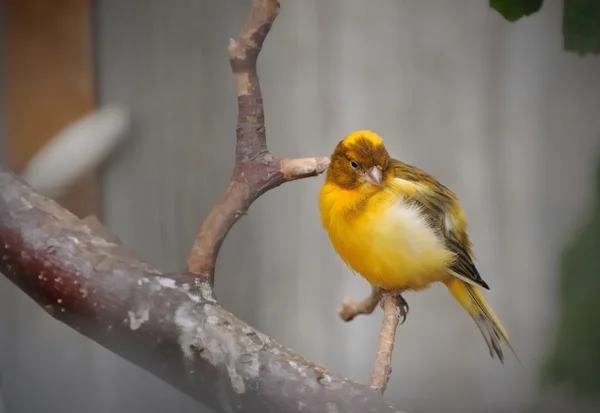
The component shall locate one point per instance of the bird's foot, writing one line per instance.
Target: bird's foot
(351, 309)
(401, 303)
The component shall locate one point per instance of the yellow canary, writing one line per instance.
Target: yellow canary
(401, 229)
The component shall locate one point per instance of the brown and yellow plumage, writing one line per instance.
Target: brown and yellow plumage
(401, 229)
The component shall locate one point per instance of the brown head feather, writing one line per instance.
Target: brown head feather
(354, 156)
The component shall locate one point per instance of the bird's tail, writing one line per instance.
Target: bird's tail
(488, 323)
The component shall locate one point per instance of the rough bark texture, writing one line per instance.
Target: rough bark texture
(383, 363)
(256, 170)
(170, 325)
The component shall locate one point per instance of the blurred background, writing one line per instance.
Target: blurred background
(497, 111)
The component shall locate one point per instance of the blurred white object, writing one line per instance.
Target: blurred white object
(76, 150)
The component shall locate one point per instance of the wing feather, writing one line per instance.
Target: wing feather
(440, 206)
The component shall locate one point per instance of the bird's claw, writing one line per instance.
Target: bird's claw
(403, 306)
(401, 303)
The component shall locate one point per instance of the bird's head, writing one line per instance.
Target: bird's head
(359, 160)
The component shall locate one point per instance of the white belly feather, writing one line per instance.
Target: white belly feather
(404, 250)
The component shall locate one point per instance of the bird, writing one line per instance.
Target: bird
(402, 230)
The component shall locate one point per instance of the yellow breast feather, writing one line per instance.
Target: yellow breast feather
(384, 238)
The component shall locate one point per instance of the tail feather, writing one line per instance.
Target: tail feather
(486, 320)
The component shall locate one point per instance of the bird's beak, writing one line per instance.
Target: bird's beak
(373, 175)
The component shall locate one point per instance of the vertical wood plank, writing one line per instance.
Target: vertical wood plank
(50, 80)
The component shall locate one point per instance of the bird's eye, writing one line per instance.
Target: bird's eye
(354, 164)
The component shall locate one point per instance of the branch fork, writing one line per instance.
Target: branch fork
(171, 325)
(256, 170)
(394, 307)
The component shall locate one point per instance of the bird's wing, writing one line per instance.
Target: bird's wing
(440, 206)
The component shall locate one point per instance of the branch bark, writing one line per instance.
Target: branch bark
(168, 324)
(392, 310)
(256, 170)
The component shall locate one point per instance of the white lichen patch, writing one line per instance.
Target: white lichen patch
(237, 382)
(74, 240)
(332, 408)
(326, 379)
(301, 370)
(26, 203)
(166, 282)
(187, 331)
(206, 291)
(206, 335)
(136, 319)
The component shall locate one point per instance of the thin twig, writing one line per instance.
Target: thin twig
(351, 309)
(256, 170)
(392, 309)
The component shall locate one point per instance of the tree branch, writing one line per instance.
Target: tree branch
(393, 306)
(169, 325)
(256, 170)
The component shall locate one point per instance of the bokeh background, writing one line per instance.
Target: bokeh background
(498, 112)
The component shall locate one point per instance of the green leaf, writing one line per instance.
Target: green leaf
(581, 26)
(513, 10)
(575, 357)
